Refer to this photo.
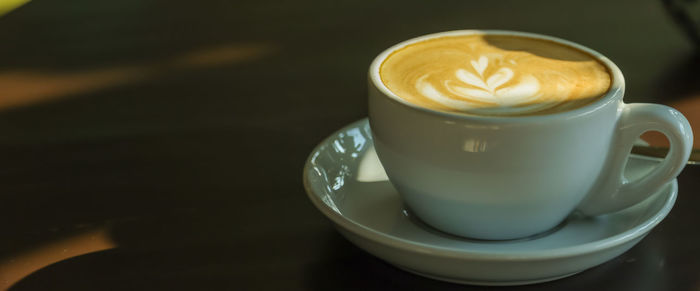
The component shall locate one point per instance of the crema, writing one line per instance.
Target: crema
(495, 75)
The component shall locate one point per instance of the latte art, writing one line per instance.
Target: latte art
(502, 75)
(476, 90)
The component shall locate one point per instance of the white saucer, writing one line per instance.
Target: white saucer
(344, 179)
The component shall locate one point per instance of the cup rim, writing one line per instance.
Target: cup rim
(615, 92)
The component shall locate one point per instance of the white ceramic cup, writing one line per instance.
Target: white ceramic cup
(502, 178)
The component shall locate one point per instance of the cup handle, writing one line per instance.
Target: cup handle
(613, 192)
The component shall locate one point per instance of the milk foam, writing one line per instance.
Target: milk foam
(502, 75)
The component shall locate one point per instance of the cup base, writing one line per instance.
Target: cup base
(408, 213)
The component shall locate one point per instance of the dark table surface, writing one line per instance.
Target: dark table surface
(153, 144)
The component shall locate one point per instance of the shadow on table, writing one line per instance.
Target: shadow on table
(183, 210)
(641, 268)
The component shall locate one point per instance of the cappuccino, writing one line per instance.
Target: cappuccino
(494, 75)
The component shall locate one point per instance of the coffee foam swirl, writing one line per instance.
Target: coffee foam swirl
(494, 75)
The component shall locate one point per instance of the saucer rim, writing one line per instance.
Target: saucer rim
(411, 246)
